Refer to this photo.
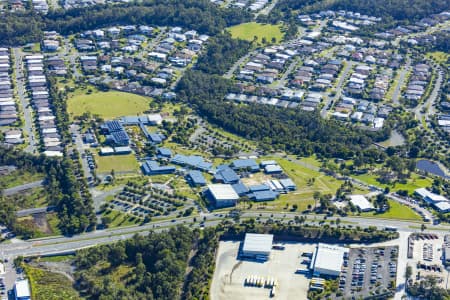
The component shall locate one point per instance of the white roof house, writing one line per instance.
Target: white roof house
(361, 202)
(328, 259)
(257, 244)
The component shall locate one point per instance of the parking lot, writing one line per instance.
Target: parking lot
(230, 274)
(368, 271)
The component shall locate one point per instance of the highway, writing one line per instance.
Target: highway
(53, 245)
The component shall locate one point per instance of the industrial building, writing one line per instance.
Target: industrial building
(192, 161)
(226, 175)
(245, 165)
(327, 260)
(195, 178)
(257, 245)
(440, 203)
(222, 195)
(22, 290)
(361, 202)
(151, 167)
(263, 196)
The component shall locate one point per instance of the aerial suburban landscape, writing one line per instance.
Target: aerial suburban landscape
(224, 149)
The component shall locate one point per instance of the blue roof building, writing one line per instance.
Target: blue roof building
(263, 195)
(196, 178)
(226, 175)
(192, 161)
(258, 188)
(111, 126)
(151, 167)
(156, 138)
(164, 152)
(288, 184)
(240, 188)
(245, 164)
(115, 133)
(118, 138)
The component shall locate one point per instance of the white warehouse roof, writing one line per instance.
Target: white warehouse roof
(328, 259)
(22, 289)
(361, 202)
(257, 243)
(223, 192)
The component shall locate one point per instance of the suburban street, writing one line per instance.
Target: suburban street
(338, 89)
(401, 81)
(24, 101)
(427, 107)
(75, 132)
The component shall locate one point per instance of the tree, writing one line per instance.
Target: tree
(408, 272)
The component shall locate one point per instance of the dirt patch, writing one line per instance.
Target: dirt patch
(40, 220)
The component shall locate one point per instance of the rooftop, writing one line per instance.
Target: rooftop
(361, 202)
(222, 191)
(257, 242)
(328, 257)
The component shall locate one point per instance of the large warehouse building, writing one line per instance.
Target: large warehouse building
(257, 245)
(327, 260)
(222, 195)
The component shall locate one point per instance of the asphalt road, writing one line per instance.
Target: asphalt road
(427, 107)
(32, 211)
(338, 90)
(75, 132)
(24, 101)
(23, 187)
(401, 81)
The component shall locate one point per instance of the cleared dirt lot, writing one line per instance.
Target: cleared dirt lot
(230, 274)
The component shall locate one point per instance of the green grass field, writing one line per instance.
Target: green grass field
(247, 31)
(19, 177)
(439, 56)
(118, 163)
(48, 285)
(119, 219)
(413, 183)
(303, 196)
(108, 105)
(396, 211)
